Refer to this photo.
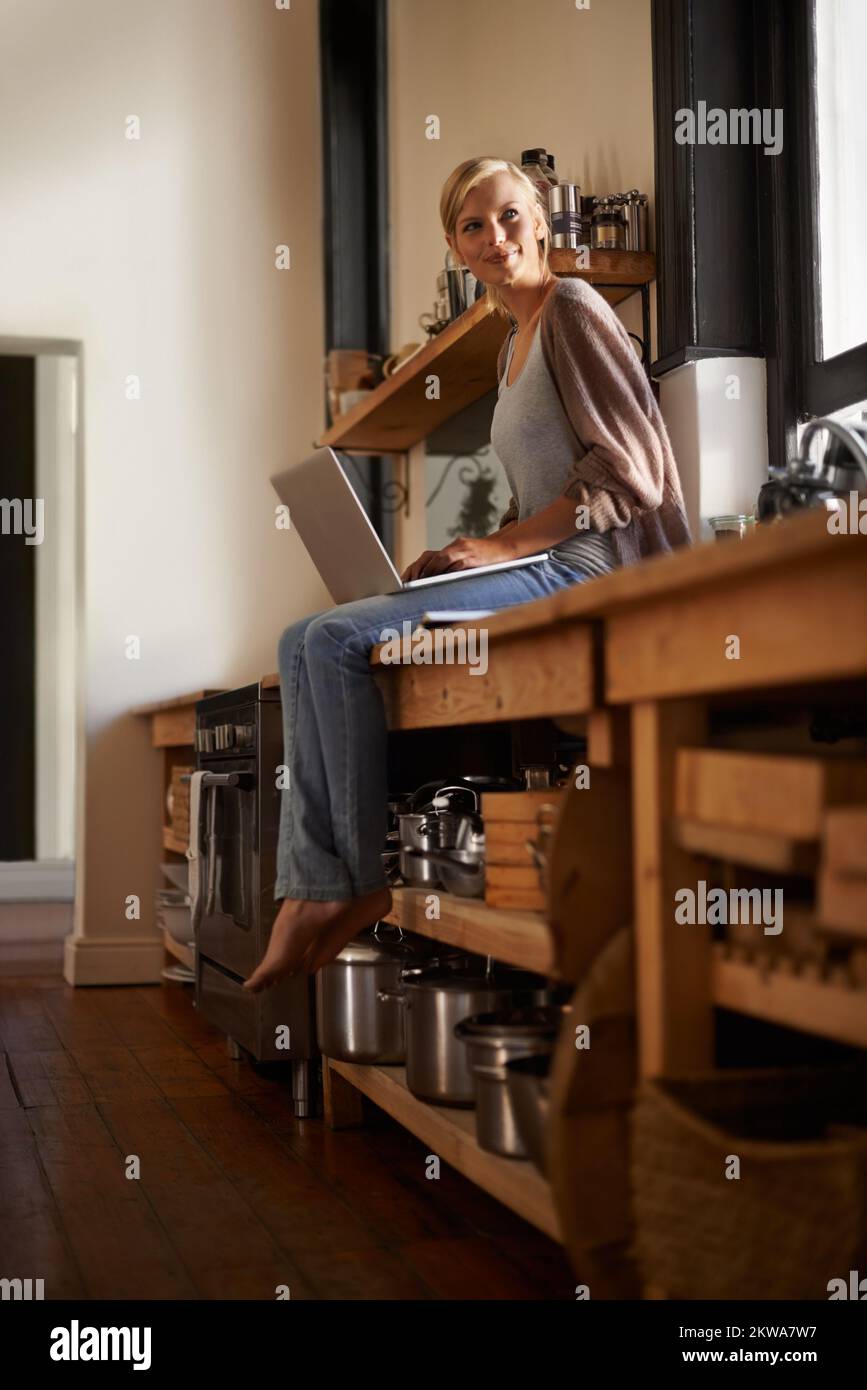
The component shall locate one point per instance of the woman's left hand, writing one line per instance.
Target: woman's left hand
(465, 553)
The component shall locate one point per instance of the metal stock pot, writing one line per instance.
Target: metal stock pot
(436, 998)
(354, 1021)
(493, 1040)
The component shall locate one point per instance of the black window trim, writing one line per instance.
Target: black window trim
(835, 382)
(821, 386)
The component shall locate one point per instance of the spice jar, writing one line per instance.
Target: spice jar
(608, 232)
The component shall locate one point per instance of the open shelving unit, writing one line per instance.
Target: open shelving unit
(172, 730)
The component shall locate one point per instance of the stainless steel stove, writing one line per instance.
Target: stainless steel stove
(239, 748)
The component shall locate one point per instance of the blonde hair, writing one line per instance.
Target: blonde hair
(454, 193)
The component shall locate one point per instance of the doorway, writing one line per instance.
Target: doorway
(40, 583)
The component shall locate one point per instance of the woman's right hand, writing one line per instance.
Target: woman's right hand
(419, 568)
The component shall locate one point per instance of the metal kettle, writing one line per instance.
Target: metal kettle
(807, 482)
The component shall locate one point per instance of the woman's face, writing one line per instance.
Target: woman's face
(497, 233)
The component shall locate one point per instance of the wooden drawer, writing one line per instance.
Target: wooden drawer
(784, 796)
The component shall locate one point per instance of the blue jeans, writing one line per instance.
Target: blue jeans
(333, 811)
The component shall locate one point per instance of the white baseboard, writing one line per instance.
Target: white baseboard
(113, 960)
(42, 880)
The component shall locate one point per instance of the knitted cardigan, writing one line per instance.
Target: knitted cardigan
(624, 470)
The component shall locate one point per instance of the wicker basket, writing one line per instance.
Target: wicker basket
(797, 1216)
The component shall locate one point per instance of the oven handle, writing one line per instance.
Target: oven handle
(203, 789)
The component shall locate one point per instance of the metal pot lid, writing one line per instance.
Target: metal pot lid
(465, 973)
(384, 942)
(511, 1024)
(463, 783)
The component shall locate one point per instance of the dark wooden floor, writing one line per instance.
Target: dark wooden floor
(236, 1196)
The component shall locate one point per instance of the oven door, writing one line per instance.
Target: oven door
(227, 834)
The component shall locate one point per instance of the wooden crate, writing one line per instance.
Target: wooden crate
(512, 821)
(778, 795)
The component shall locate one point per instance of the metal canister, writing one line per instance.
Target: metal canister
(455, 285)
(564, 202)
(643, 243)
(635, 212)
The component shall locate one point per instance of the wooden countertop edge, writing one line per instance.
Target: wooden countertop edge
(176, 702)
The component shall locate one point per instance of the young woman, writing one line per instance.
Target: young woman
(593, 482)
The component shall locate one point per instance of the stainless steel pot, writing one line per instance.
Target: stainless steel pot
(354, 1023)
(418, 833)
(436, 999)
(456, 823)
(529, 1091)
(461, 871)
(492, 1040)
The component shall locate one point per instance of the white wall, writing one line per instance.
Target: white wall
(503, 77)
(158, 255)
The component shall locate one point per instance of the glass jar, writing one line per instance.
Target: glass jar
(730, 528)
(608, 229)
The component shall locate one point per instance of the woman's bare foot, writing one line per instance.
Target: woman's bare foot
(299, 931)
(358, 913)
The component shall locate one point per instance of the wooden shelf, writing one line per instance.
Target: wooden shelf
(173, 842)
(451, 1134)
(517, 938)
(398, 414)
(811, 1005)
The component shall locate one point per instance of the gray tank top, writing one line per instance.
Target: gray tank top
(535, 443)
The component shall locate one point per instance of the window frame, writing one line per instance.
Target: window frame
(821, 386)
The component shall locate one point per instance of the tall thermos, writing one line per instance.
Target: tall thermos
(564, 201)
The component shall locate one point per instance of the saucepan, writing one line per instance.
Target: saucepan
(436, 998)
(492, 1041)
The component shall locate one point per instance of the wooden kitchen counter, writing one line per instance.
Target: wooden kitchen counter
(639, 660)
(793, 595)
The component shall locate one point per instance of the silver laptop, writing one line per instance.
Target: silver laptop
(340, 538)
